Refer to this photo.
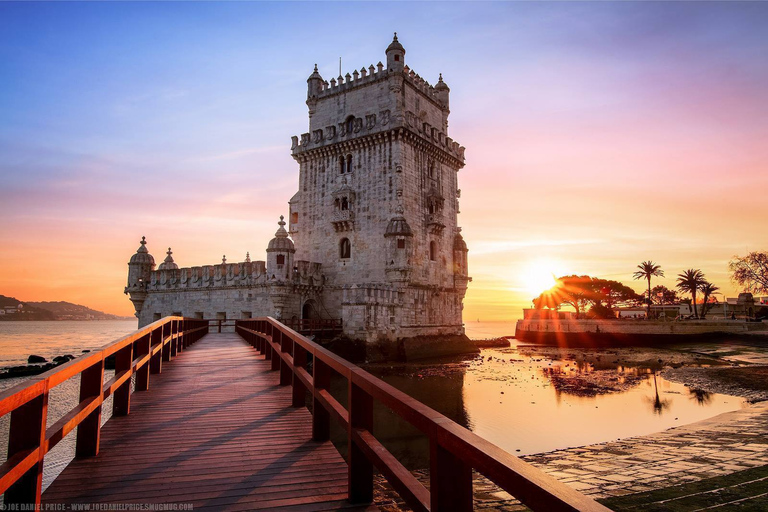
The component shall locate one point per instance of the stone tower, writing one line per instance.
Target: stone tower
(378, 201)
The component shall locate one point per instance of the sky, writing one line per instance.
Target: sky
(598, 134)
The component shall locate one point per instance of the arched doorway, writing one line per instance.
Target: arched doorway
(309, 310)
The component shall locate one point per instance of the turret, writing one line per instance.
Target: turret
(314, 84)
(140, 269)
(460, 267)
(168, 263)
(399, 244)
(442, 92)
(395, 56)
(280, 254)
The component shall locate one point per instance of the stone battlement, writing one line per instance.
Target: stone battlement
(232, 275)
(374, 124)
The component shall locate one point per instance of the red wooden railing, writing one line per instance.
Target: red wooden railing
(141, 353)
(454, 450)
(310, 326)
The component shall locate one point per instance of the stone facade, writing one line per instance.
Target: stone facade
(374, 238)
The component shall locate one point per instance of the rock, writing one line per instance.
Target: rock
(63, 359)
(86, 351)
(36, 359)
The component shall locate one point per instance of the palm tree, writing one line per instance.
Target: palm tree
(689, 282)
(647, 270)
(707, 289)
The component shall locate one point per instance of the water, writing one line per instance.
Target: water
(50, 339)
(523, 399)
(20, 339)
(513, 397)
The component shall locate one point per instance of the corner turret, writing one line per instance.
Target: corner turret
(280, 254)
(315, 84)
(140, 268)
(395, 56)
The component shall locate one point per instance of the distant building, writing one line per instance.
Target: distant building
(373, 237)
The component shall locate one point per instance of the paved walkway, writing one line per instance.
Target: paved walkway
(214, 432)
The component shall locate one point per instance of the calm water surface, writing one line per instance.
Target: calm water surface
(50, 339)
(508, 396)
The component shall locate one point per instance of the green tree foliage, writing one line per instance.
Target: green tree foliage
(660, 294)
(691, 281)
(582, 291)
(646, 270)
(750, 272)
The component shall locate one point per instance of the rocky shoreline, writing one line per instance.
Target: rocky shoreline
(38, 364)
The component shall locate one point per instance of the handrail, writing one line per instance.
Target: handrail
(454, 450)
(141, 353)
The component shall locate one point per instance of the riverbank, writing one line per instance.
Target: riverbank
(589, 333)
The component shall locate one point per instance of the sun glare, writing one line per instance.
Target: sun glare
(538, 276)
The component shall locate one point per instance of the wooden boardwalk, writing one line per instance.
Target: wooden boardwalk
(216, 432)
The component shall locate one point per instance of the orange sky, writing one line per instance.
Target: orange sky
(637, 134)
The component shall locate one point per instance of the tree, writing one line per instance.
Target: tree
(614, 293)
(689, 282)
(581, 291)
(660, 294)
(576, 291)
(750, 271)
(707, 289)
(648, 269)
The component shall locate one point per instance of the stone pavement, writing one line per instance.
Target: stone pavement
(721, 445)
(717, 446)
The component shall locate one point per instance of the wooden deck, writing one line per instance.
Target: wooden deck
(215, 431)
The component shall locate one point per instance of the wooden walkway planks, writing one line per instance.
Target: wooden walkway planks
(214, 431)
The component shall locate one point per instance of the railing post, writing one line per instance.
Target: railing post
(166, 346)
(321, 418)
(156, 361)
(286, 373)
(450, 480)
(174, 341)
(219, 325)
(143, 346)
(276, 335)
(121, 406)
(360, 469)
(89, 430)
(299, 361)
(27, 432)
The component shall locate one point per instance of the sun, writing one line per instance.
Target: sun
(538, 276)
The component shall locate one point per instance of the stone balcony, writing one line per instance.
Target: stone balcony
(343, 220)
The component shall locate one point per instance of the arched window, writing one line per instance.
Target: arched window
(349, 163)
(431, 169)
(432, 208)
(280, 259)
(350, 124)
(432, 250)
(344, 203)
(342, 165)
(345, 248)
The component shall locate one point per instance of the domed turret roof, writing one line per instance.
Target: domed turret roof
(168, 263)
(398, 226)
(142, 255)
(281, 242)
(395, 45)
(315, 75)
(440, 85)
(459, 244)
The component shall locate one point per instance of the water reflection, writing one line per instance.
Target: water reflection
(530, 400)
